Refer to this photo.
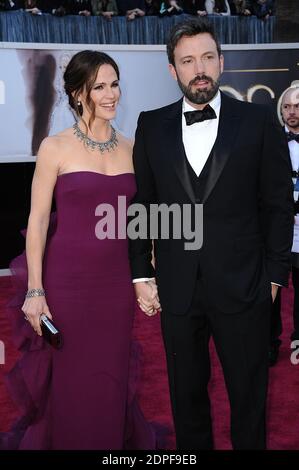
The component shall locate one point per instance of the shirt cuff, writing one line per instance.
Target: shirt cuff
(275, 284)
(143, 279)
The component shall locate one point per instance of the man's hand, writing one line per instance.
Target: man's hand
(131, 16)
(84, 13)
(201, 12)
(139, 12)
(147, 297)
(274, 290)
(107, 14)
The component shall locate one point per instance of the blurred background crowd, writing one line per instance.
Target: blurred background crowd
(133, 9)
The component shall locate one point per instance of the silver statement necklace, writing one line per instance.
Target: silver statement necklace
(95, 145)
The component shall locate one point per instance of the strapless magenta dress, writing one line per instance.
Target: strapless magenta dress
(84, 395)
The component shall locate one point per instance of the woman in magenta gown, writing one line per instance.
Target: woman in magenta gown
(81, 396)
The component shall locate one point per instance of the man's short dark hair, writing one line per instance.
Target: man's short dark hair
(190, 27)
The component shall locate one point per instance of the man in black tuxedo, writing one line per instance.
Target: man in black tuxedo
(232, 157)
(289, 109)
(10, 5)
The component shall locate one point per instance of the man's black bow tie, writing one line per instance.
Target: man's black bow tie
(199, 115)
(292, 136)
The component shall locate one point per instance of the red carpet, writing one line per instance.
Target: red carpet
(283, 403)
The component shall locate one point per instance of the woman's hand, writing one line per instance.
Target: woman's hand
(33, 308)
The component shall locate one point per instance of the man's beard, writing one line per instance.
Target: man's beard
(199, 96)
(293, 127)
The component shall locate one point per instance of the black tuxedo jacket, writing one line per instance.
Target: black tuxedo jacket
(247, 207)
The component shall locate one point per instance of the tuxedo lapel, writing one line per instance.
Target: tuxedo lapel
(176, 148)
(227, 130)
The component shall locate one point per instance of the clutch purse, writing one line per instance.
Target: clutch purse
(50, 332)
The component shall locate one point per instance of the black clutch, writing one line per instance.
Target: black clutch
(50, 332)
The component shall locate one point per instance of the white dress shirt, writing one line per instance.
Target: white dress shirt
(294, 152)
(199, 138)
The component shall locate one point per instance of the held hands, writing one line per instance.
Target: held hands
(33, 308)
(147, 297)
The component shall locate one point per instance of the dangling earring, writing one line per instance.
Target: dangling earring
(80, 107)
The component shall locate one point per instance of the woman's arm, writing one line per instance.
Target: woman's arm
(44, 179)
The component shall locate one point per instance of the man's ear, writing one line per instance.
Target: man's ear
(221, 58)
(172, 71)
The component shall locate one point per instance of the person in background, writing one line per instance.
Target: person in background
(195, 7)
(152, 7)
(106, 8)
(32, 6)
(10, 5)
(289, 110)
(77, 7)
(54, 7)
(263, 9)
(38, 7)
(240, 7)
(61, 7)
(217, 7)
(171, 7)
(131, 9)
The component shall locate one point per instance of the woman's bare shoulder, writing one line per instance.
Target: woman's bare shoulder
(58, 143)
(54, 149)
(62, 139)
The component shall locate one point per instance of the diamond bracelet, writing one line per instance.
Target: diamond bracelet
(35, 293)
